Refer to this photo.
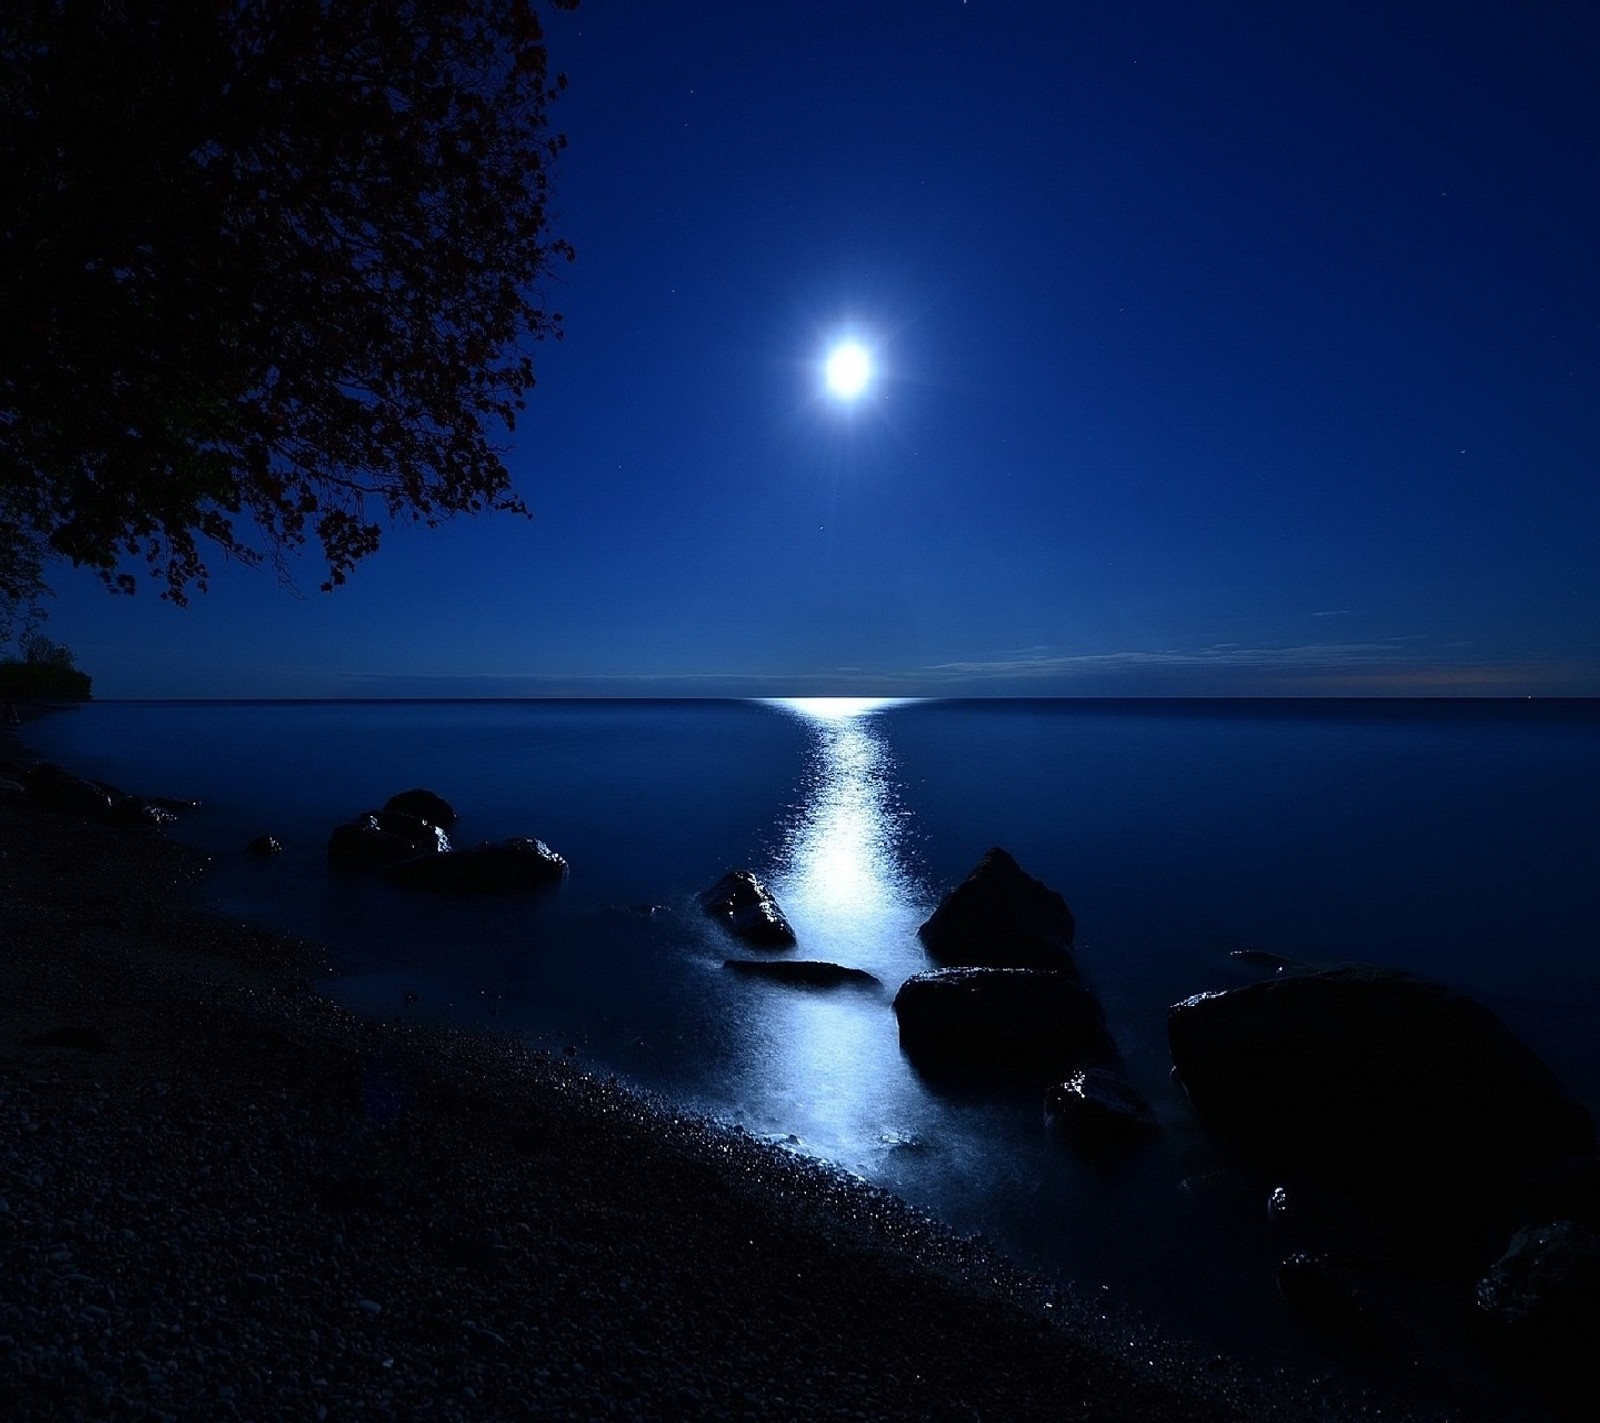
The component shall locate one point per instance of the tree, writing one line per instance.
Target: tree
(46, 671)
(269, 272)
(39, 651)
(22, 585)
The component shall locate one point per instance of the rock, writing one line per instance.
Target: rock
(136, 811)
(1007, 1021)
(425, 805)
(1329, 1298)
(1368, 1077)
(383, 838)
(264, 846)
(814, 973)
(429, 838)
(503, 867)
(11, 790)
(1097, 1107)
(744, 906)
(177, 805)
(1539, 1305)
(55, 789)
(1001, 917)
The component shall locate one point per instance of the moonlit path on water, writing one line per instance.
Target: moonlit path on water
(824, 1070)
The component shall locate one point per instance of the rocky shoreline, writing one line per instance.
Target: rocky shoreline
(222, 1196)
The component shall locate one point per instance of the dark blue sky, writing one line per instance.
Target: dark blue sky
(1221, 348)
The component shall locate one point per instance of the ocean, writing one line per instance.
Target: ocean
(1458, 840)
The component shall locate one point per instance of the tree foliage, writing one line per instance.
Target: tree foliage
(22, 559)
(269, 271)
(45, 671)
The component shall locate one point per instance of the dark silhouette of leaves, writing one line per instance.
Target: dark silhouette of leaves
(270, 271)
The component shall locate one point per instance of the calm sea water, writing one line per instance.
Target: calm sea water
(1456, 840)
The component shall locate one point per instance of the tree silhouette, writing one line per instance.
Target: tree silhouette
(269, 272)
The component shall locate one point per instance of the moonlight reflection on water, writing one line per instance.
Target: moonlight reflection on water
(825, 1067)
(840, 867)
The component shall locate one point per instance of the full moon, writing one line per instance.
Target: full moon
(847, 370)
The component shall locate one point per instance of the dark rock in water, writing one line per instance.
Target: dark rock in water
(55, 789)
(815, 973)
(265, 846)
(1324, 1220)
(381, 839)
(134, 810)
(1001, 917)
(1329, 1298)
(748, 911)
(1097, 1107)
(361, 844)
(503, 867)
(428, 837)
(425, 805)
(1541, 1299)
(1008, 1021)
(177, 805)
(1371, 1078)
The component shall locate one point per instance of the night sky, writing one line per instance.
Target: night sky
(1218, 348)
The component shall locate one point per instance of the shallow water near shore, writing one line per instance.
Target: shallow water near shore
(1456, 840)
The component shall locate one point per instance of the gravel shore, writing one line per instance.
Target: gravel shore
(223, 1197)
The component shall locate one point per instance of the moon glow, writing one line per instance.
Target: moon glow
(847, 370)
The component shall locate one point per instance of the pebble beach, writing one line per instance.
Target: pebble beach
(221, 1196)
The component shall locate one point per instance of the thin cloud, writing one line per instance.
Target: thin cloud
(1221, 655)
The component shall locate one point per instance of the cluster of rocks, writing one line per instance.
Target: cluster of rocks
(1410, 1130)
(222, 1197)
(49, 787)
(408, 843)
(1415, 1135)
(1006, 1001)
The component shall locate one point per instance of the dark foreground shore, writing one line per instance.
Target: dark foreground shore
(221, 1196)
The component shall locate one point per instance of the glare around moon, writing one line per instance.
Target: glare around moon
(847, 370)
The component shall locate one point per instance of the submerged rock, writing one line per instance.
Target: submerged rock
(425, 805)
(134, 810)
(381, 839)
(1366, 1076)
(264, 846)
(745, 907)
(1001, 917)
(1330, 1298)
(1539, 1306)
(1097, 1107)
(1008, 1021)
(56, 789)
(503, 867)
(177, 804)
(814, 973)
